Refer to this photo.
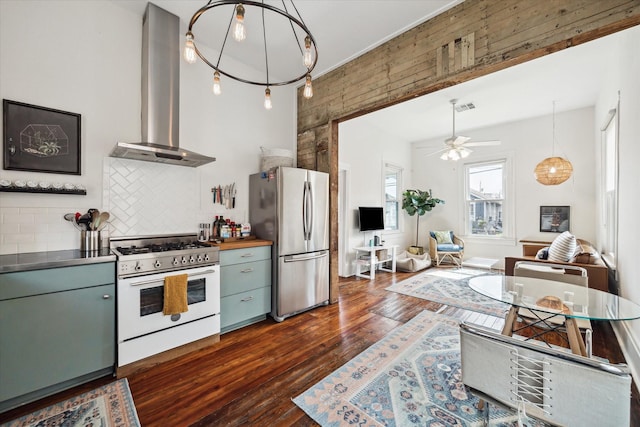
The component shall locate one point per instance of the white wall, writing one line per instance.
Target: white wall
(85, 57)
(526, 142)
(364, 149)
(625, 68)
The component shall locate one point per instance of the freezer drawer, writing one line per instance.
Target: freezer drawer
(303, 283)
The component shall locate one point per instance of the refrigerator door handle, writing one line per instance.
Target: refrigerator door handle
(304, 211)
(305, 257)
(307, 210)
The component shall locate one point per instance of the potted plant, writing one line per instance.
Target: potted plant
(418, 202)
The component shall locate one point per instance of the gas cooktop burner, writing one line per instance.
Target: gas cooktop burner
(160, 247)
(155, 254)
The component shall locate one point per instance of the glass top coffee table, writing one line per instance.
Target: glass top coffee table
(551, 298)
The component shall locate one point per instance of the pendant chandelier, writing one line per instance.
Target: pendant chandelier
(237, 28)
(553, 170)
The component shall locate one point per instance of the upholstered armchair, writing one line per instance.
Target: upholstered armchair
(446, 246)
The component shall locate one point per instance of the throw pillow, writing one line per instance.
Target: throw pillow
(443, 237)
(562, 248)
(543, 253)
(585, 253)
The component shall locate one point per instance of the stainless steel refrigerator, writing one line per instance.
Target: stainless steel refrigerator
(290, 207)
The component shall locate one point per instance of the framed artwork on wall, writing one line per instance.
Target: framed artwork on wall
(555, 219)
(40, 139)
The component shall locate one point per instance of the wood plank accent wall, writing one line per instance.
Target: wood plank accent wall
(472, 39)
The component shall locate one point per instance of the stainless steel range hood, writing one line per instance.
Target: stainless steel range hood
(160, 95)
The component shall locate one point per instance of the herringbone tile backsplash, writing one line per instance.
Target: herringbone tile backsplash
(150, 198)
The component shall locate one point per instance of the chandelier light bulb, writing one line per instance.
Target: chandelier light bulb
(189, 51)
(267, 99)
(239, 31)
(308, 88)
(217, 90)
(308, 55)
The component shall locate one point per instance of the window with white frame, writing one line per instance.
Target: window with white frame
(485, 198)
(392, 196)
(610, 184)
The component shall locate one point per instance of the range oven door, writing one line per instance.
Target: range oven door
(140, 301)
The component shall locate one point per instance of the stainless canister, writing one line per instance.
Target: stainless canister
(89, 241)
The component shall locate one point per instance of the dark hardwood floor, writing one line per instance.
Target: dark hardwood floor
(251, 375)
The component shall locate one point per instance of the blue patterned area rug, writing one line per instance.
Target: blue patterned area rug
(450, 287)
(107, 406)
(411, 377)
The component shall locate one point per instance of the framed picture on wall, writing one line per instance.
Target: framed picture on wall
(555, 219)
(40, 139)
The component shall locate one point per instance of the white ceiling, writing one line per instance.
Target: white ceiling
(344, 29)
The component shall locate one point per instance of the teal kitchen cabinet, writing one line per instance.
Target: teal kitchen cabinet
(245, 286)
(57, 330)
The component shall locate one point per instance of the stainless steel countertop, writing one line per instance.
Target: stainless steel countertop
(52, 259)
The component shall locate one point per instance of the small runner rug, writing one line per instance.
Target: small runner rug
(410, 377)
(107, 406)
(450, 287)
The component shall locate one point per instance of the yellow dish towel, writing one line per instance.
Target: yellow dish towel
(175, 294)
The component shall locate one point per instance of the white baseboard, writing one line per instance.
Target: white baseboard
(629, 347)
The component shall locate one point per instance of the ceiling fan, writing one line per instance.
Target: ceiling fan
(456, 146)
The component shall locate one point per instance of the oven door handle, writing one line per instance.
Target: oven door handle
(148, 282)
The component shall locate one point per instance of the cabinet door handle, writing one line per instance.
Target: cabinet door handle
(248, 255)
(247, 299)
(247, 270)
(106, 296)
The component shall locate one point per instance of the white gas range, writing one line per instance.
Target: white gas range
(143, 263)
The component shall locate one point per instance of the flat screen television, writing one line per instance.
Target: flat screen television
(371, 218)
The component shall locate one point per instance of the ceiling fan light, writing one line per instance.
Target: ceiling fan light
(454, 155)
(464, 152)
(445, 156)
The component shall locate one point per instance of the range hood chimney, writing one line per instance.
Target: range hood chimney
(160, 95)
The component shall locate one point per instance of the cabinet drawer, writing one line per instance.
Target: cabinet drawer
(36, 282)
(239, 278)
(240, 307)
(236, 256)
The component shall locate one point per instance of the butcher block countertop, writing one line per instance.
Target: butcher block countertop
(240, 244)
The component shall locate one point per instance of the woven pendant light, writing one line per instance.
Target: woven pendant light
(553, 170)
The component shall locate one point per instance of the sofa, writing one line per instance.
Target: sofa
(585, 256)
